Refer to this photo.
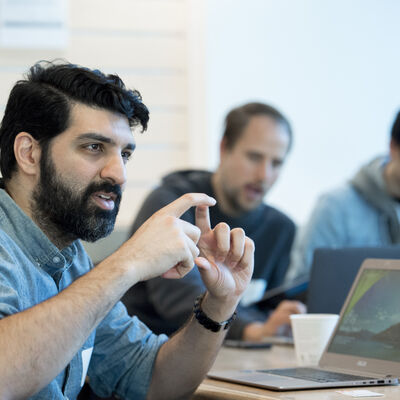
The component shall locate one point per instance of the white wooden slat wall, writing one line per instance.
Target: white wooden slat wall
(145, 42)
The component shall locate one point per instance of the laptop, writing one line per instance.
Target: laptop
(364, 349)
(333, 272)
(324, 290)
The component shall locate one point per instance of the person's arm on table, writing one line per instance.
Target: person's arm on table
(226, 265)
(279, 317)
(37, 344)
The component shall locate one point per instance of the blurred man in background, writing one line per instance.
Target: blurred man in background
(364, 212)
(254, 146)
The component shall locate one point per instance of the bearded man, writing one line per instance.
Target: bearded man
(65, 140)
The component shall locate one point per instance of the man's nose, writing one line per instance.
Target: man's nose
(114, 170)
(266, 173)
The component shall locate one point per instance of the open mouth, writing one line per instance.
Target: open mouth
(106, 201)
(254, 191)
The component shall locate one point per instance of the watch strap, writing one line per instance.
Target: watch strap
(207, 322)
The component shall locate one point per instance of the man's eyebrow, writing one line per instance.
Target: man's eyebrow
(104, 139)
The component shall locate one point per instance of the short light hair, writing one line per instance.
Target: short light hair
(238, 118)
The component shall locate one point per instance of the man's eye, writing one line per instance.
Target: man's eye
(254, 157)
(126, 155)
(95, 147)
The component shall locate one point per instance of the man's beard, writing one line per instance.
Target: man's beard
(232, 197)
(70, 211)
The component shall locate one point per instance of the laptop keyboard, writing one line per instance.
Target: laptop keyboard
(315, 375)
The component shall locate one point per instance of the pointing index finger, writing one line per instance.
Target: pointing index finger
(203, 218)
(188, 200)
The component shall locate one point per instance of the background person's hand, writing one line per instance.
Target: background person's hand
(278, 321)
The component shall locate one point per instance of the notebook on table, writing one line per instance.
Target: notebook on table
(364, 349)
(333, 272)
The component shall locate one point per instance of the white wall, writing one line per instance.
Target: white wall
(332, 66)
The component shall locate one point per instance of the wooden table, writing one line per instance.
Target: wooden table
(276, 357)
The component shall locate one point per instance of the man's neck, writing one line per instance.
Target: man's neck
(20, 191)
(22, 195)
(223, 203)
(390, 180)
(58, 238)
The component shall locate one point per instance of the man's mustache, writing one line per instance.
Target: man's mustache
(104, 187)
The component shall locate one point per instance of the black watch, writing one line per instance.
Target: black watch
(207, 322)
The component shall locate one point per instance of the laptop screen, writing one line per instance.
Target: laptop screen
(370, 324)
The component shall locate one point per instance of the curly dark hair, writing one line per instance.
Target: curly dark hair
(41, 103)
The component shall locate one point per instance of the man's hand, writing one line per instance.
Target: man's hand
(226, 263)
(278, 320)
(164, 244)
(226, 257)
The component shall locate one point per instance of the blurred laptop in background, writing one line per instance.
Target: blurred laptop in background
(333, 272)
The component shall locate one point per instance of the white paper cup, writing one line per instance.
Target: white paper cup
(311, 333)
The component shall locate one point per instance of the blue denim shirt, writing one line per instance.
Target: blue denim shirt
(32, 270)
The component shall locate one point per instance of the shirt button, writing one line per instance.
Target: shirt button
(56, 259)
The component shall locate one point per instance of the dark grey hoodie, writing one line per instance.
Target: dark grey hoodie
(369, 182)
(164, 304)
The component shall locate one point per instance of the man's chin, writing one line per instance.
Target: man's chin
(91, 238)
(97, 233)
(250, 205)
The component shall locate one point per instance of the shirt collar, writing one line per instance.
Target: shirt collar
(31, 239)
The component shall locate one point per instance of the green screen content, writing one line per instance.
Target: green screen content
(370, 326)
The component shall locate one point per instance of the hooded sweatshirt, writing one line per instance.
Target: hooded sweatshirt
(361, 213)
(165, 304)
(369, 182)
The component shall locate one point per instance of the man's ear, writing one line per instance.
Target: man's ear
(394, 150)
(27, 153)
(222, 148)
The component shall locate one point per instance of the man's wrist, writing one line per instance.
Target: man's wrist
(218, 309)
(126, 271)
(210, 324)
